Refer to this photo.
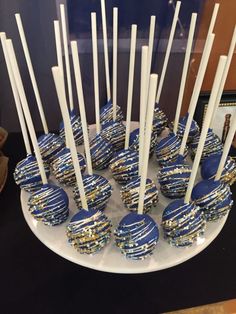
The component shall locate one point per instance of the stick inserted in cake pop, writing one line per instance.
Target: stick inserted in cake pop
(143, 104)
(66, 51)
(25, 108)
(64, 110)
(146, 148)
(131, 82)
(197, 89)
(168, 50)
(31, 71)
(185, 70)
(114, 69)
(105, 45)
(59, 48)
(206, 124)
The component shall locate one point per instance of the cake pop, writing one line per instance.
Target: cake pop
(159, 121)
(50, 203)
(134, 141)
(193, 132)
(106, 114)
(212, 146)
(89, 230)
(137, 233)
(101, 150)
(174, 178)
(114, 133)
(76, 126)
(167, 150)
(49, 143)
(210, 166)
(26, 173)
(98, 190)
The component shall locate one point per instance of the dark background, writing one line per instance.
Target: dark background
(37, 17)
(35, 280)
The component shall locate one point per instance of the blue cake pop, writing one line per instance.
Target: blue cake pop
(50, 144)
(134, 141)
(167, 150)
(63, 169)
(137, 236)
(182, 223)
(76, 127)
(174, 178)
(89, 231)
(213, 197)
(210, 166)
(159, 121)
(130, 194)
(194, 128)
(124, 166)
(27, 174)
(98, 190)
(101, 152)
(106, 113)
(114, 133)
(49, 205)
(212, 145)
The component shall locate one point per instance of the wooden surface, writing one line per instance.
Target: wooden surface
(224, 27)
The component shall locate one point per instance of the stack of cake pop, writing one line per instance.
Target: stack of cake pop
(137, 233)
(50, 203)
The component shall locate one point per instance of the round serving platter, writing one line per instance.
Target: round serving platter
(109, 259)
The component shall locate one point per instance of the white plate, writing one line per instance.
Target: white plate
(110, 259)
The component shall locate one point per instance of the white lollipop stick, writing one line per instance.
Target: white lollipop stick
(150, 48)
(131, 82)
(31, 72)
(68, 129)
(185, 70)
(80, 94)
(226, 149)
(205, 127)
(95, 70)
(115, 49)
(16, 96)
(197, 89)
(143, 104)
(226, 71)
(25, 108)
(66, 51)
(105, 44)
(213, 19)
(168, 50)
(59, 48)
(148, 133)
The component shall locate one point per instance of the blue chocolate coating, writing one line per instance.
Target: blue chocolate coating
(114, 133)
(212, 145)
(213, 197)
(167, 150)
(130, 194)
(50, 144)
(134, 141)
(174, 178)
(98, 190)
(182, 223)
(27, 174)
(137, 236)
(63, 169)
(210, 166)
(101, 152)
(106, 113)
(194, 129)
(89, 231)
(49, 205)
(76, 127)
(159, 121)
(124, 165)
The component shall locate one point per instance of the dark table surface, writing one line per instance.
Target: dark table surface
(35, 280)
